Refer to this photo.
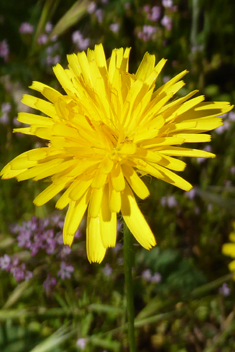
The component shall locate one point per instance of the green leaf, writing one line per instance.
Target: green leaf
(71, 17)
(17, 293)
(47, 11)
(54, 340)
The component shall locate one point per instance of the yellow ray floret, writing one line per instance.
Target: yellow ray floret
(107, 130)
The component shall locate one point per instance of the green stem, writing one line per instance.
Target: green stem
(128, 259)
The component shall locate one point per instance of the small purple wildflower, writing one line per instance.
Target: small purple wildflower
(42, 39)
(80, 41)
(169, 201)
(19, 271)
(223, 128)
(146, 275)
(99, 14)
(40, 236)
(114, 27)
(91, 7)
(231, 116)
(4, 50)
(65, 250)
(156, 278)
(6, 107)
(26, 28)
(81, 343)
(146, 8)
(107, 270)
(65, 270)
(167, 3)
(166, 22)
(49, 282)
(155, 13)
(147, 32)
(48, 27)
(232, 170)
(224, 290)
(190, 194)
(5, 262)
(117, 248)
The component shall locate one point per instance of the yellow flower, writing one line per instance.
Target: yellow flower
(108, 130)
(229, 249)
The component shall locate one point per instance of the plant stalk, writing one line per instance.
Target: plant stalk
(128, 259)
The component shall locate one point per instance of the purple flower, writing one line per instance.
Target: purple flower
(91, 7)
(26, 28)
(4, 50)
(107, 270)
(170, 201)
(81, 343)
(224, 290)
(190, 194)
(155, 13)
(24, 239)
(52, 60)
(166, 22)
(48, 27)
(4, 119)
(81, 42)
(231, 116)
(146, 275)
(6, 107)
(28, 275)
(223, 128)
(5, 262)
(19, 271)
(167, 3)
(147, 32)
(65, 270)
(156, 278)
(99, 14)
(114, 27)
(50, 281)
(65, 250)
(146, 8)
(42, 39)
(232, 170)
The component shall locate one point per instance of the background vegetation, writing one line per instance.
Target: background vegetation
(51, 298)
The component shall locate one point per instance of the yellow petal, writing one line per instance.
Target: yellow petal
(229, 249)
(39, 104)
(94, 246)
(48, 92)
(95, 202)
(99, 179)
(26, 117)
(78, 188)
(231, 266)
(232, 236)
(63, 79)
(117, 178)
(135, 182)
(178, 151)
(114, 200)
(48, 194)
(135, 220)
(108, 221)
(73, 218)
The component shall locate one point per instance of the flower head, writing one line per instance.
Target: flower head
(108, 130)
(229, 249)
